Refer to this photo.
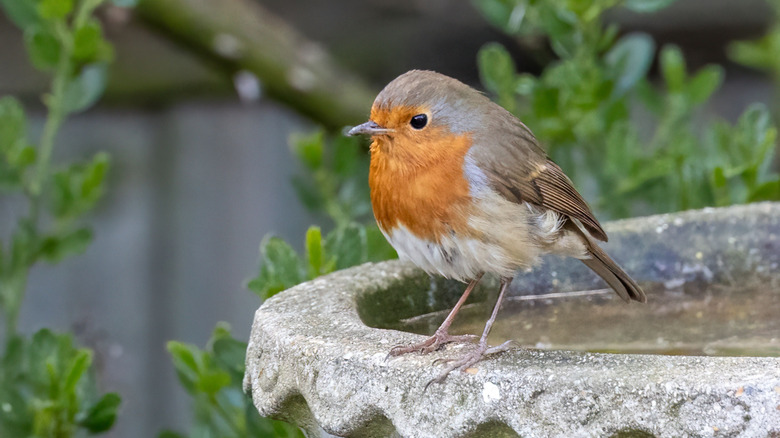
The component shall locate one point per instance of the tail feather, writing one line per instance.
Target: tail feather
(613, 274)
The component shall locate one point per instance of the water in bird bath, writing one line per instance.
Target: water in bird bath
(717, 321)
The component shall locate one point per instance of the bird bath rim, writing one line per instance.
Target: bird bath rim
(313, 361)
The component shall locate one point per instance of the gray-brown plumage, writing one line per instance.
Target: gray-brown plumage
(461, 187)
(522, 172)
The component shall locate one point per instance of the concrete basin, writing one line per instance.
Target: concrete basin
(702, 358)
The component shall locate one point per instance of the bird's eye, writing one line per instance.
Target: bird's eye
(419, 121)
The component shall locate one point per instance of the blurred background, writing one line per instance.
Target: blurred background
(651, 106)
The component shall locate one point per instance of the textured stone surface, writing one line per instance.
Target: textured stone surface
(313, 361)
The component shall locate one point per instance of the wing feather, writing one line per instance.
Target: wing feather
(518, 169)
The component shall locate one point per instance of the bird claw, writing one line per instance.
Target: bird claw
(500, 348)
(467, 360)
(431, 344)
(442, 360)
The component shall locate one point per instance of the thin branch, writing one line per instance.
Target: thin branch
(242, 35)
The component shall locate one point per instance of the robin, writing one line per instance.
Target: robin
(461, 187)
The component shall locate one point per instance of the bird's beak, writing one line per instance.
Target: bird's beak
(369, 128)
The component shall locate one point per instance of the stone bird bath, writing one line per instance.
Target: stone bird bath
(702, 358)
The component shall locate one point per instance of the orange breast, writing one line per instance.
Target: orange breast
(417, 181)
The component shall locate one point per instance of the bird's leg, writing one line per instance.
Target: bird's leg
(482, 350)
(440, 337)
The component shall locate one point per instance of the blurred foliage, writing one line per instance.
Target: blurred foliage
(47, 386)
(338, 186)
(761, 53)
(48, 390)
(213, 378)
(345, 246)
(334, 183)
(335, 176)
(581, 108)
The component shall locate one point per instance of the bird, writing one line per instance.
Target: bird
(461, 187)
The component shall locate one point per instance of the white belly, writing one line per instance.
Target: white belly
(452, 257)
(511, 237)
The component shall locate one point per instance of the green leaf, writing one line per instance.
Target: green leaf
(212, 381)
(608, 37)
(86, 41)
(753, 138)
(221, 331)
(347, 245)
(23, 13)
(64, 203)
(13, 124)
(78, 366)
(755, 124)
(673, 67)
(768, 191)
(85, 89)
(496, 66)
(314, 252)
(353, 195)
(230, 354)
(15, 154)
(46, 347)
(545, 102)
(629, 61)
(185, 363)
(78, 188)
(507, 15)
(719, 183)
(525, 84)
(17, 417)
(377, 247)
(55, 248)
(307, 193)
(54, 9)
(704, 83)
(22, 157)
(719, 177)
(647, 5)
(760, 53)
(94, 176)
(346, 155)
(196, 369)
(563, 26)
(309, 148)
(280, 268)
(102, 415)
(498, 74)
(43, 47)
(13, 360)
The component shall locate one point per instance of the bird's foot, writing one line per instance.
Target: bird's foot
(433, 343)
(466, 361)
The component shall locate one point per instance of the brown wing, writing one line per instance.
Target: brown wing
(521, 171)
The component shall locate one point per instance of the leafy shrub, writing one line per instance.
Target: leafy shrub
(48, 390)
(213, 377)
(339, 188)
(47, 385)
(582, 107)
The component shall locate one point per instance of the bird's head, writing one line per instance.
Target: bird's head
(420, 113)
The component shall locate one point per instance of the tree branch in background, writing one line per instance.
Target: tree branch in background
(243, 35)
